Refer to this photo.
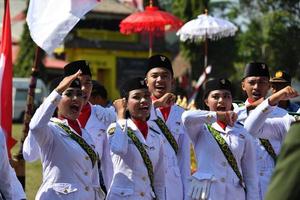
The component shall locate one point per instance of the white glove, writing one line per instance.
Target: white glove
(199, 189)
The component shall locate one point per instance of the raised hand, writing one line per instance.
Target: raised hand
(166, 100)
(66, 82)
(284, 94)
(228, 117)
(120, 106)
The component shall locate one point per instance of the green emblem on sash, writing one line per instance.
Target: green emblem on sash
(167, 133)
(269, 148)
(91, 153)
(144, 155)
(227, 153)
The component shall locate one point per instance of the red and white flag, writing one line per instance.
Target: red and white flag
(49, 21)
(6, 78)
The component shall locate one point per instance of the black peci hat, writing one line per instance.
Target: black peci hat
(217, 84)
(281, 77)
(132, 84)
(73, 67)
(256, 69)
(75, 84)
(159, 61)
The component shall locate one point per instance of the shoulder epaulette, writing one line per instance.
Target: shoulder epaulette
(111, 131)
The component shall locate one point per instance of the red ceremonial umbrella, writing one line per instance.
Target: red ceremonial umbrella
(152, 21)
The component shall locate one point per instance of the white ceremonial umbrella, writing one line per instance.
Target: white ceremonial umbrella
(206, 27)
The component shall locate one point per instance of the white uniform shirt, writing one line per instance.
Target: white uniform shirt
(213, 164)
(96, 126)
(100, 118)
(10, 187)
(177, 167)
(272, 123)
(67, 169)
(130, 179)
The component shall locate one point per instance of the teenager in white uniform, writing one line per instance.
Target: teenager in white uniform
(68, 157)
(10, 187)
(136, 176)
(159, 79)
(93, 118)
(270, 122)
(213, 167)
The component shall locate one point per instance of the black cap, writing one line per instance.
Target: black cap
(281, 77)
(217, 84)
(132, 84)
(55, 82)
(159, 61)
(73, 67)
(256, 69)
(75, 84)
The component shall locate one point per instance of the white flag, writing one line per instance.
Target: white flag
(49, 21)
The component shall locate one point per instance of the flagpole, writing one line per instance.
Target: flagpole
(19, 162)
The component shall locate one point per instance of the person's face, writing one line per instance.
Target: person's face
(219, 100)
(275, 87)
(159, 81)
(86, 87)
(139, 104)
(71, 103)
(256, 87)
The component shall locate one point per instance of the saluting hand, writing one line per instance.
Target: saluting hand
(284, 94)
(66, 82)
(120, 106)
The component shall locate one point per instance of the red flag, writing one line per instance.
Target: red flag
(6, 78)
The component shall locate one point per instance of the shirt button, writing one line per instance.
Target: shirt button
(223, 180)
(86, 173)
(260, 157)
(87, 188)
(261, 173)
(224, 164)
(144, 178)
(122, 193)
(142, 194)
(87, 158)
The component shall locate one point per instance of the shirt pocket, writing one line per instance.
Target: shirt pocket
(122, 192)
(177, 130)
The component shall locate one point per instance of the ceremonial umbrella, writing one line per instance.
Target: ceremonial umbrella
(152, 21)
(206, 27)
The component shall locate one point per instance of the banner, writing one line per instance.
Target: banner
(50, 21)
(6, 78)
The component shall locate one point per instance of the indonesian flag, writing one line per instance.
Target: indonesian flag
(49, 21)
(6, 78)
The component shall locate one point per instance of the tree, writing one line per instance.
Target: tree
(26, 55)
(272, 34)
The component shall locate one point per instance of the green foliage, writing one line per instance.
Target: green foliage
(24, 62)
(272, 34)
